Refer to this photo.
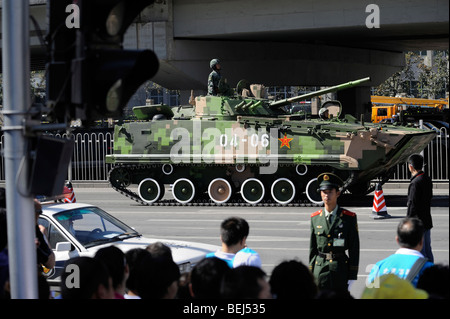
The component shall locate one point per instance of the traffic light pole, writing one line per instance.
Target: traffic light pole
(16, 93)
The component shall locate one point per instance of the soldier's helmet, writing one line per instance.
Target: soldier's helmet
(213, 63)
(329, 181)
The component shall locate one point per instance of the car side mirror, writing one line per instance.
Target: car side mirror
(63, 246)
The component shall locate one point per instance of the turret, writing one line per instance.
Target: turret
(228, 107)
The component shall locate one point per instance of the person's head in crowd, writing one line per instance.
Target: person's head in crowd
(159, 250)
(134, 257)
(115, 261)
(206, 278)
(410, 233)
(157, 279)
(233, 233)
(37, 209)
(86, 278)
(435, 281)
(292, 280)
(245, 282)
(415, 162)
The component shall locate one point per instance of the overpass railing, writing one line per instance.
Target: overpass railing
(88, 160)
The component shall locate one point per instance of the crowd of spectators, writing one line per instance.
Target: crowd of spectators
(141, 274)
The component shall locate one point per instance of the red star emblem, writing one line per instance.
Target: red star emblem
(285, 141)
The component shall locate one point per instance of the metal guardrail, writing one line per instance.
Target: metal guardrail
(436, 160)
(88, 160)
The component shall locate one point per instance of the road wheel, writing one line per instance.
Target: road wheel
(219, 190)
(283, 191)
(252, 190)
(183, 190)
(150, 190)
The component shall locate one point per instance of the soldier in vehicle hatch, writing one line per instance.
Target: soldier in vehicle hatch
(214, 77)
(334, 230)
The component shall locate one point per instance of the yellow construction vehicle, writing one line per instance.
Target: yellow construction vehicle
(385, 107)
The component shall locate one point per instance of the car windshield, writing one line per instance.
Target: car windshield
(92, 226)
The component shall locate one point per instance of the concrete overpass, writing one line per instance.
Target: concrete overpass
(291, 42)
(283, 42)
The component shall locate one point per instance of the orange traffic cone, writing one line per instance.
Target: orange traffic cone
(69, 194)
(379, 210)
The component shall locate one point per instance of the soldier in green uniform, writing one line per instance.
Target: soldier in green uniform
(334, 231)
(214, 77)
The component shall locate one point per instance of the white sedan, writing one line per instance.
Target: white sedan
(82, 229)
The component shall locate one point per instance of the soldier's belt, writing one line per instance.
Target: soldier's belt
(331, 256)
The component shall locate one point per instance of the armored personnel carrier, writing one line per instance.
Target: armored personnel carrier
(248, 149)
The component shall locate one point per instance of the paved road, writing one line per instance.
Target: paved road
(276, 233)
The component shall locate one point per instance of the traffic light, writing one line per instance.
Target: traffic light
(60, 52)
(103, 76)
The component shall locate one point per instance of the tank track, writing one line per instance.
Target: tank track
(198, 202)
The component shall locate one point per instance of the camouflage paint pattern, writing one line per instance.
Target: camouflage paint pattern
(207, 138)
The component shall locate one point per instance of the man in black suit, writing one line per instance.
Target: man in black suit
(420, 192)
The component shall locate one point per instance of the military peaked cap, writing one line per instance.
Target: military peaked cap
(328, 181)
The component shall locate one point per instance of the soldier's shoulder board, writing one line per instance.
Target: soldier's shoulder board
(316, 213)
(348, 213)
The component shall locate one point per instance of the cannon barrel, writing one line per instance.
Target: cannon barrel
(338, 87)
